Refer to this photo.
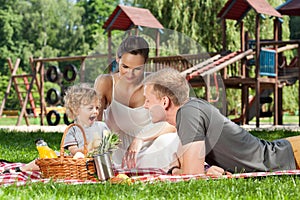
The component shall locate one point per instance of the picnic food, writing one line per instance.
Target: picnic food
(120, 178)
(78, 155)
(44, 150)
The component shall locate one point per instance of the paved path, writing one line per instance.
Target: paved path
(61, 128)
(31, 128)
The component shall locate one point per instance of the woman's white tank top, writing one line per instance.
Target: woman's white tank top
(126, 121)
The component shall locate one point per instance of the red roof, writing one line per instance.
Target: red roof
(237, 9)
(124, 17)
(291, 8)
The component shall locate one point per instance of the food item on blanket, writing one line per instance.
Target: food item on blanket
(120, 178)
(78, 155)
(44, 150)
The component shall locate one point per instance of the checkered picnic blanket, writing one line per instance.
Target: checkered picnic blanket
(149, 175)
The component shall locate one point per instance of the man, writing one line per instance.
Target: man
(207, 135)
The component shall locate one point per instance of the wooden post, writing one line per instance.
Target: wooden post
(243, 48)
(280, 122)
(257, 70)
(43, 103)
(245, 105)
(246, 48)
(276, 21)
(157, 43)
(82, 70)
(280, 90)
(244, 92)
(109, 57)
(207, 86)
(242, 36)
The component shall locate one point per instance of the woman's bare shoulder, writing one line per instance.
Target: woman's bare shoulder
(103, 82)
(103, 79)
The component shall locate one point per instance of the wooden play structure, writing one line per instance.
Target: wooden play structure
(262, 55)
(232, 68)
(268, 75)
(24, 95)
(37, 78)
(127, 18)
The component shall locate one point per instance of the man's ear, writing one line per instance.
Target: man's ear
(166, 102)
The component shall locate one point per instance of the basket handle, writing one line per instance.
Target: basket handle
(62, 149)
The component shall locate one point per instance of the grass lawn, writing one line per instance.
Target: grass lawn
(12, 120)
(20, 147)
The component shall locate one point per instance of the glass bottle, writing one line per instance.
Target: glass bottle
(44, 150)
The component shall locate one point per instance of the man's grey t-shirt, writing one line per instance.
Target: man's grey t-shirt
(228, 145)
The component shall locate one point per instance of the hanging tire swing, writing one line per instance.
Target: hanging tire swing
(66, 120)
(53, 74)
(53, 96)
(70, 73)
(49, 118)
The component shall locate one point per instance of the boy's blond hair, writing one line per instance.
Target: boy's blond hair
(77, 95)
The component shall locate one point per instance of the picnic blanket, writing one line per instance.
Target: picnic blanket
(149, 175)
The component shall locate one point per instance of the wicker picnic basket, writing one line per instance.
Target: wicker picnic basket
(66, 167)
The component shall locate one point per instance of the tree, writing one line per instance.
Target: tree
(10, 34)
(96, 13)
(53, 28)
(196, 19)
(294, 27)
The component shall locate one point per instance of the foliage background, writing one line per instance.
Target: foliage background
(55, 28)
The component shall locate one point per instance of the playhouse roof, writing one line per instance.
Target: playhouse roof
(290, 7)
(237, 9)
(124, 17)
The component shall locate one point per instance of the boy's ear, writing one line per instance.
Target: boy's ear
(76, 112)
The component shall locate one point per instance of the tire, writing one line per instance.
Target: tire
(49, 118)
(53, 74)
(49, 97)
(66, 120)
(70, 69)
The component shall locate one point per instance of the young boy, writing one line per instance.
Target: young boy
(82, 105)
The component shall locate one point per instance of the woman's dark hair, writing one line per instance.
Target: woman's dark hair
(135, 45)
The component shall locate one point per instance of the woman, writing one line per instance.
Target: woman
(122, 99)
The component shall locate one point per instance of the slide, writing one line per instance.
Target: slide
(264, 98)
(215, 64)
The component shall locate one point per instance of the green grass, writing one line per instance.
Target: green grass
(20, 147)
(36, 121)
(285, 120)
(32, 121)
(285, 187)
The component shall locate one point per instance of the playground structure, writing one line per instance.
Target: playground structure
(37, 78)
(264, 55)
